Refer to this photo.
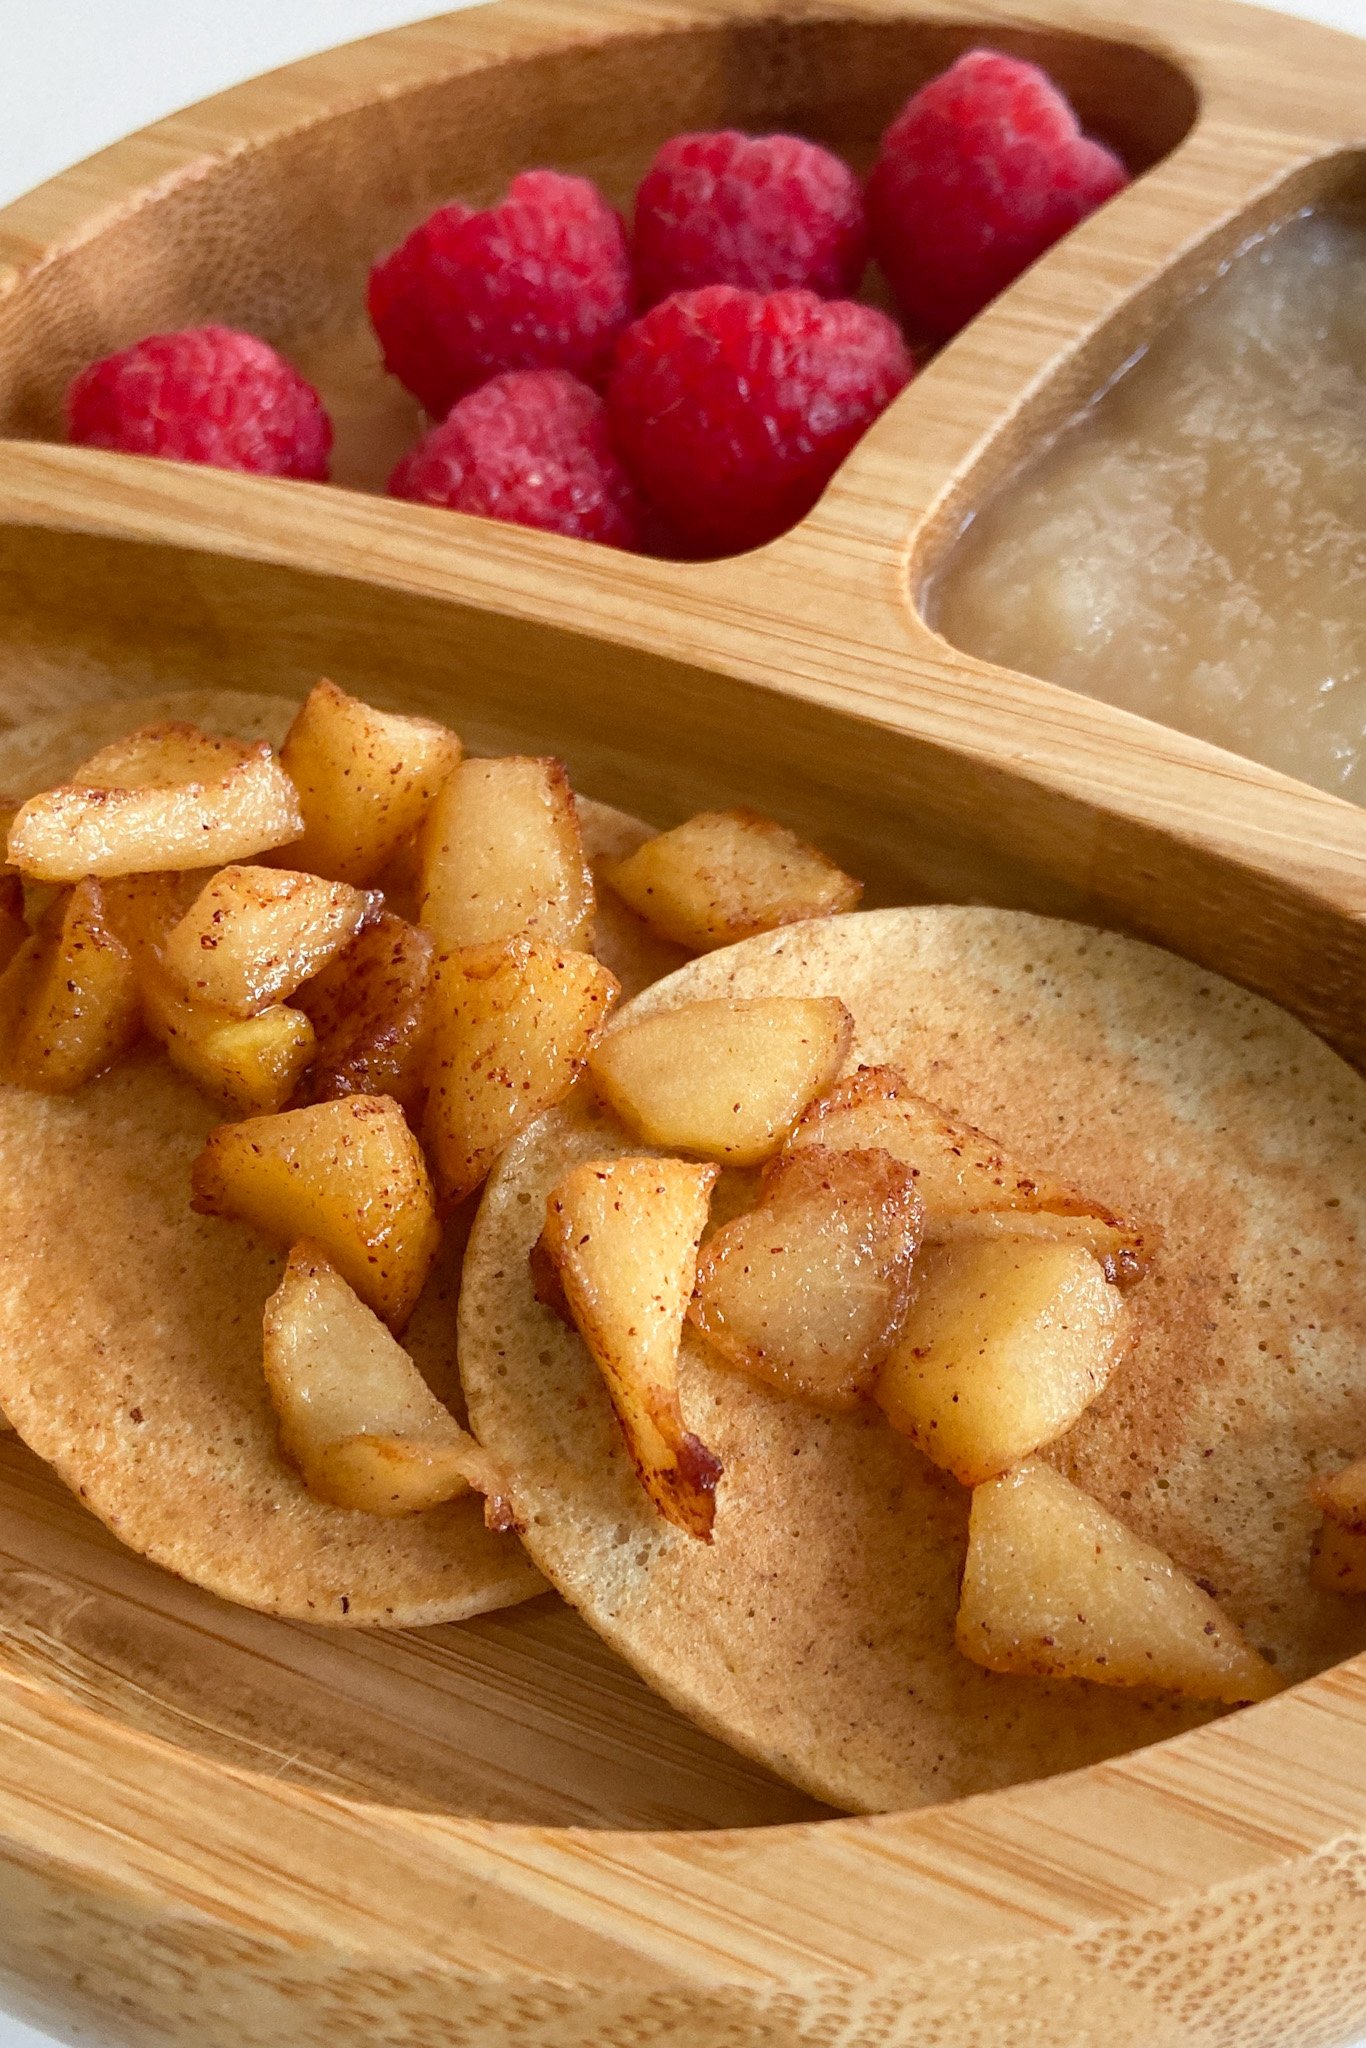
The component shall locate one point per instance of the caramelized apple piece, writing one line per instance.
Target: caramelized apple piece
(348, 1175)
(355, 1414)
(371, 1012)
(1342, 1495)
(145, 909)
(725, 1079)
(365, 778)
(165, 797)
(13, 924)
(502, 854)
(1055, 1587)
(809, 1290)
(1338, 1563)
(253, 935)
(725, 875)
(970, 1186)
(622, 1234)
(69, 998)
(513, 1026)
(1007, 1341)
(249, 1063)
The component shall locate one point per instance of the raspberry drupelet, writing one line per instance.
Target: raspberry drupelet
(540, 281)
(764, 212)
(982, 170)
(533, 447)
(203, 394)
(733, 408)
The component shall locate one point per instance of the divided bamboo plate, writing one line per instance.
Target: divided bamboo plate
(221, 1830)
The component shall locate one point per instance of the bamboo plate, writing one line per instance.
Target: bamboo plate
(217, 1829)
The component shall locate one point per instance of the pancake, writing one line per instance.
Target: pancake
(130, 1329)
(816, 1633)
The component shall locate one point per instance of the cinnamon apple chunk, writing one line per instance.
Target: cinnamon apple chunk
(724, 1079)
(622, 1235)
(254, 934)
(512, 1028)
(69, 1002)
(1008, 1340)
(366, 780)
(167, 796)
(1338, 1562)
(347, 1175)
(970, 1185)
(371, 1014)
(355, 1415)
(1342, 1495)
(248, 1063)
(727, 875)
(502, 855)
(1057, 1587)
(809, 1289)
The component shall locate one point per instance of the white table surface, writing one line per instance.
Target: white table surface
(80, 73)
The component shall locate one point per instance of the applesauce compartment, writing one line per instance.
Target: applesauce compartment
(1189, 544)
(279, 238)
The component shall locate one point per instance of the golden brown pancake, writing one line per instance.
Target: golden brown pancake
(130, 1329)
(816, 1633)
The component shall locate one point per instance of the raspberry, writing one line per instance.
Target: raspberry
(205, 394)
(766, 212)
(541, 281)
(982, 170)
(734, 408)
(531, 446)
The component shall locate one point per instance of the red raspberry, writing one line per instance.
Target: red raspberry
(734, 408)
(531, 446)
(541, 281)
(206, 394)
(982, 170)
(765, 212)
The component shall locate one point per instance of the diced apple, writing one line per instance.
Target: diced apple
(371, 1012)
(726, 875)
(69, 998)
(1338, 1564)
(249, 1063)
(1342, 1495)
(513, 1028)
(809, 1290)
(1056, 1587)
(355, 1414)
(969, 1184)
(347, 1175)
(254, 934)
(365, 778)
(725, 1079)
(145, 909)
(1008, 1340)
(622, 1234)
(165, 797)
(503, 855)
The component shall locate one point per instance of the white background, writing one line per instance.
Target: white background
(79, 73)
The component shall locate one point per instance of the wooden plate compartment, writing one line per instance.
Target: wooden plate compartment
(217, 1829)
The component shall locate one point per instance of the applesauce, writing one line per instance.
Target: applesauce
(1192, 546)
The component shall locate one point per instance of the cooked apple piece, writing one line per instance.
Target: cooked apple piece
(725, 1079)
(502, 854)
(166, 797)
(1342, 1495)
(355, 1414)
(1007, 1341)
(348, 1175)
(809, 1289)
(725, 875)
(622, 1234)
(13, 924)
(254, 934)
(513, 1027)
(970, 1186)
(1338, 1563)
(69, 998)
(145, 909)
(371, 1012)
(365, 779)
(1055, 1587)
(249, 1063)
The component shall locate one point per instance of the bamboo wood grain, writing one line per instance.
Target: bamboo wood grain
(216, 1829)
